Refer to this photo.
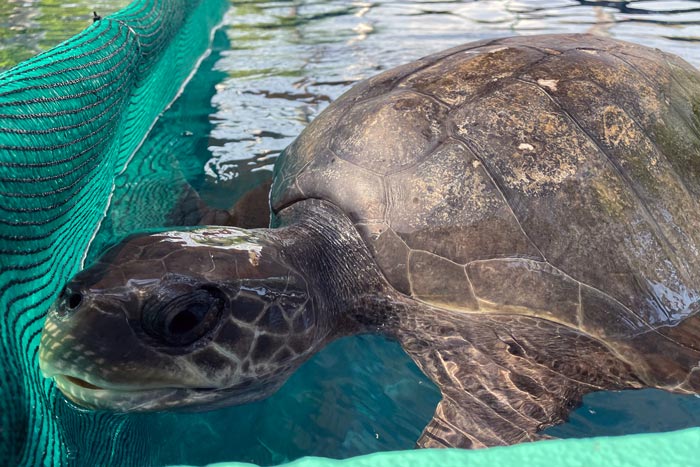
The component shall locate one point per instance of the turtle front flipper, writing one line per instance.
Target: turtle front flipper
(443, 432)
(505, 378)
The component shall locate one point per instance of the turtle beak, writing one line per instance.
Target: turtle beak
(47, 347)
(62, 352)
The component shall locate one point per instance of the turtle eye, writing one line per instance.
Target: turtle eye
(74, 300)
(182, 317)
(185, 321)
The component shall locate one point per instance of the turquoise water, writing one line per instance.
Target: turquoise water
(274, 67)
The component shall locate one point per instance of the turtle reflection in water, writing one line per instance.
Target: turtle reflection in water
(522, 215)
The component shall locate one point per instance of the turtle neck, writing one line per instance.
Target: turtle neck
(321, 243)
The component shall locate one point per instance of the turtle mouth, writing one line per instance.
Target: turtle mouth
(136, 399)
(149, 399)
(73, 382)
(90, 396)
(80, 382)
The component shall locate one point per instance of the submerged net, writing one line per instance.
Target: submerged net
(70, 120)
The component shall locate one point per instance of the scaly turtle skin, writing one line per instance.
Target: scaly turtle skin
(520, 214)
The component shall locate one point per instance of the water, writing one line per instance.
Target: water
(275, 66)
(28, 27)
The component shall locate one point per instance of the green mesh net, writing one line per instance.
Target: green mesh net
(70, 120)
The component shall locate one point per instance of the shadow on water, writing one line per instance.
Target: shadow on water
(275, 66)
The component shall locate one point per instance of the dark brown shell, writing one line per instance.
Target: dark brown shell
(554, 176)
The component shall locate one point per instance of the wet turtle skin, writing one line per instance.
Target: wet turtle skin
(549, 176)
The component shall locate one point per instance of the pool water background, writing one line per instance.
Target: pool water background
(274, 67)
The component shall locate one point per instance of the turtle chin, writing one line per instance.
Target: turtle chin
(89, 396)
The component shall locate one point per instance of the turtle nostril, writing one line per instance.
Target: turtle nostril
(74, 300)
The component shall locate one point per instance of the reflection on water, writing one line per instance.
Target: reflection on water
(285, 62)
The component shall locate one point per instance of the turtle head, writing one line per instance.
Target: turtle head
(200, 318)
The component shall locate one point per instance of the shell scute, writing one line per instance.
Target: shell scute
(408, 125)
(390, 252)
(520, 134)
(603, 316)
(499, 285)
(463, 76)
(447, 204)
(360, 192)
(449, 289)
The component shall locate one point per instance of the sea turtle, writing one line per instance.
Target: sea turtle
(522, 215)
